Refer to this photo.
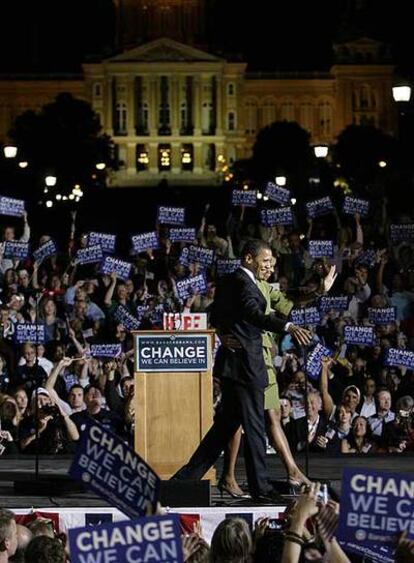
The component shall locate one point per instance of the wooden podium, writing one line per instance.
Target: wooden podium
(173, 408)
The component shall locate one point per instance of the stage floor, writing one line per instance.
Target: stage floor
(321, 467)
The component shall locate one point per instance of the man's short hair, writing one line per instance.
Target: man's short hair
(43, 549)
(253, 247)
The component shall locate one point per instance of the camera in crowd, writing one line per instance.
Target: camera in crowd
(49, 410)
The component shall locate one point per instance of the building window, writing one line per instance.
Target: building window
(210, 156)
(287, 111)
(97, 90)
(207, 118)
(99, 116)
(251, 117)
(183, 117)
(268, 113)
(142, 158)
(164, 126)
(121, 114)
(325, 119)
(306, 116)
(187, 157)
(231, 121)
(164, 158)
(231, 90)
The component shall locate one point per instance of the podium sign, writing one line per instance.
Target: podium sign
(172, 352)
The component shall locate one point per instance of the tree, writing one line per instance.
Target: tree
(282, 148)
(63, 139)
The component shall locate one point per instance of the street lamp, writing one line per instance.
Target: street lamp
(401, 93)
(10, 151)
(50, 181)
(321, 151)
(280, 180)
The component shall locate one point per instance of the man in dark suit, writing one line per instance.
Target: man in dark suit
(239, 310)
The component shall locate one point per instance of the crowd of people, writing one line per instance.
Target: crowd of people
(358, 404)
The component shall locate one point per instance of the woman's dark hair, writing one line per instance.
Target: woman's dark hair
(367, 437)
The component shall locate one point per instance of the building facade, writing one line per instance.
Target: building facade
(177, 112)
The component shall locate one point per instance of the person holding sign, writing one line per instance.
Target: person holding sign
(9, 236)
(239, 309)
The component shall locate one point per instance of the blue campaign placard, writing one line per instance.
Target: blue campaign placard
(145, 241)
(30, 333)
(169, 353)
(321, 248)
(354, 205)
(247, 198)
(44, 251)
(16, 249)
(200, 255)
(318, 207)
(121, 268)
(277, 193)
(305, 316)
(11, 206)
(366, 258)
(313, 362)
(279, 216)
(124, 317)
(381, 315)
(376, 507)
(155, 539)
(224, 267)
(360, 335)
(105, 240)
(105, 350)
(189, 286)
(183, 234)
(141, 310)
(171, 215)
(334, 303)
(399, 358)
(89, 255)
(402, 233)
(111, 469)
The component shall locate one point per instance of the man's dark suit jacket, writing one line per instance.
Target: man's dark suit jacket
(300, 434)
(239, 309)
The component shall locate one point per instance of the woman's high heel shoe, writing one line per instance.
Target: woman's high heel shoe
(234, 494)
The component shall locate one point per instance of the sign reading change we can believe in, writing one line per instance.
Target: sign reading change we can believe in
(175, 352)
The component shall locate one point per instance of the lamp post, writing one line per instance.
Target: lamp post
(401, 94)
(321, 151)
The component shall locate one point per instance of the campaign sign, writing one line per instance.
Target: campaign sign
(321, 248)
(224, 267)
(105, 350)
(200, 255)
(44, 251)
(145, 241)
(16, 249)
(366, 258)
(279, 216)
(248, 198)
(335, 303)
(354, 205)
(376, 507)
(402, 358)
(156, 314)
(112, 470)
(305, 316)
(31, 333)
(156, 539)
(192, 285)
(89, 255)
(11, 206)
(277, 193)
(141, 311)
(106, 241)
(124, 317)
(313, 363)
(171, 215)
(183, 234)
(381, 315)
(184, 321)
(318, 207)
(121, 268)
(360, 335)
(402, 233)
(175, 352)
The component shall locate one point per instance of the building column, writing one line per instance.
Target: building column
(108, 113)
(131, 106)
(219, 105)
(176, 158)
(175, 106)
(153, 157)
(153, 101)
(198, 158)
(130, 159)
(197, 105)
(220, 150)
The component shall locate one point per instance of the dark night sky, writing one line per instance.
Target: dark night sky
(270, 34)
